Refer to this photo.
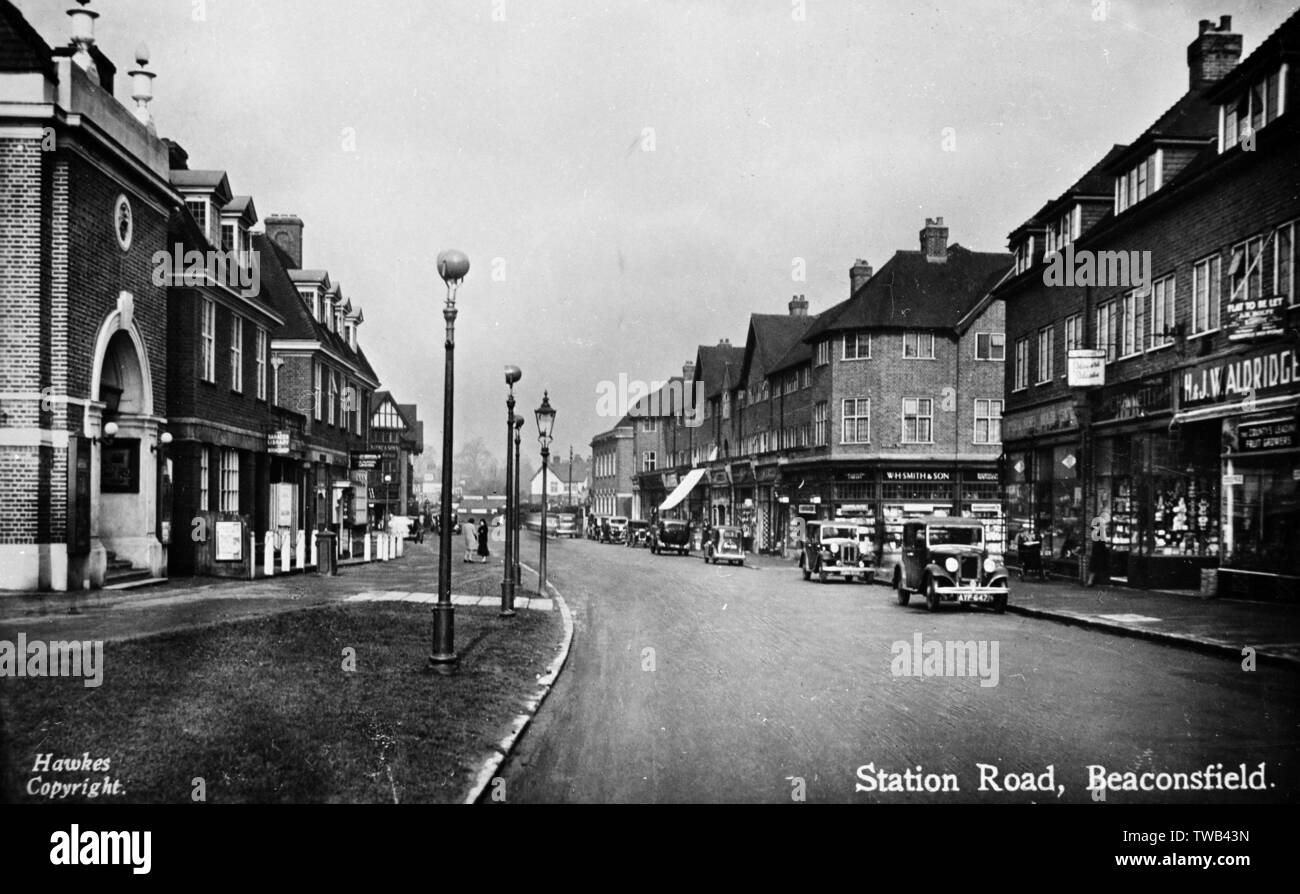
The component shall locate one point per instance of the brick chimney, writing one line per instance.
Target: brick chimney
(934, 240)
(177, 158)
(285, 230)
(724, 343)
(1214, 53)
(798, 306)
(688, 371)
(859, 273)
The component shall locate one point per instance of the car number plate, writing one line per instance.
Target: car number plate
(975, 597)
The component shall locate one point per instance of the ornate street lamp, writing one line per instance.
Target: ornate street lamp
(452, 267)
(514, 522)
(545, 423)
(513, 375)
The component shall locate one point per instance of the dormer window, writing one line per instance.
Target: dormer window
(1025, 255)
(1138, 182)
(1256, 107)
(198, 209)
(1065, 229)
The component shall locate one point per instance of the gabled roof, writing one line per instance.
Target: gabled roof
(242, 206)
(718, 366)
(1097, 183)
(663, 403)
(770, 338)
(1192, 118)
(315, 277)
(912, 292)
(22, 49)
(212, 181)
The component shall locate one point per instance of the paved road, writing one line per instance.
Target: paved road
(693, 683)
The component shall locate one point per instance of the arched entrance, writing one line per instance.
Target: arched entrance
(124, 464)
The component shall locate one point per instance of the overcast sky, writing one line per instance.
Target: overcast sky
(516, 131)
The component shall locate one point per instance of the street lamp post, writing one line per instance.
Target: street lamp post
(452, 267)
(570, 477)
(513, 374)
(545, 423)
(514, 487)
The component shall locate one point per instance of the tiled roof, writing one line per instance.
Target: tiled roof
(22, 49)
(1283, 42)
(718, 365)
(771, 336)
(912, 292)
(214, 180)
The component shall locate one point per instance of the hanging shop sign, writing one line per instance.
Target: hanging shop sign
(365, 460)
(1087, 368)
(1250, 374)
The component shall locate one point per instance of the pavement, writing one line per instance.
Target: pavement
(185, 603)
(1179, 618)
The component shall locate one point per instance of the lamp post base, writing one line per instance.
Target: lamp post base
(507, 599)
(444, 658)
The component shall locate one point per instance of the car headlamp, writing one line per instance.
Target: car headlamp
(835, 547)
(990, 566)
(951, 564)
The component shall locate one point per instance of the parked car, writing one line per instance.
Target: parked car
(596, 527)
(724, 545)
(615, 529)
(946, 560)
(402, 525)
(671, 535)
(567, 525)
(835, 549)
(638, 533)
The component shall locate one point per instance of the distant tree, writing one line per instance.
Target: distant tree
(479, 468)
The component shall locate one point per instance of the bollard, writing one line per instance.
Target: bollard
(381, 544)
(401, 546)
(367, 546)
(302, 550)
(268, 560)
(315, 555)
(285, 553)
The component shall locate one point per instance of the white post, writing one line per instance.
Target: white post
(268, 560)
(367, 547)
(315, 556)
(285, 553)
(302, 550)
(401, 545)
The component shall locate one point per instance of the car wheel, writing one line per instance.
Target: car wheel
(1000, 604)
(900, 591)
(931, 596)
(821, 575)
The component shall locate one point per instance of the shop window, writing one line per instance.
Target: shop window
(1262, 531)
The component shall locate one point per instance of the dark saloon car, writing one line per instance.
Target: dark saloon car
(638, 533)
(945, 559)
(671, 535)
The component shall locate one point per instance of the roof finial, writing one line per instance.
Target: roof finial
(83, 37)
(142, 88)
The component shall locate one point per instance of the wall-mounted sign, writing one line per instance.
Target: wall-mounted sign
(1029, 423)
(919, 475)
(1134, 400)
(119, 466)
(365, 460)
(277, 441)
(230, 541)
(1255, 318)
(1086, 368)
(1232, 379)
(1272, 434)
(1233, 480)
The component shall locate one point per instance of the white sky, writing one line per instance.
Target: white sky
(522, 140)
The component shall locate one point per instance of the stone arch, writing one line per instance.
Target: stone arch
(121, 360)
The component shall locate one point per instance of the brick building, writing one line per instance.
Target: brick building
(85, 202)
(612, 469)
(1183, 459)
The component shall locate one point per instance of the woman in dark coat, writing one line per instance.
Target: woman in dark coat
(483, 540)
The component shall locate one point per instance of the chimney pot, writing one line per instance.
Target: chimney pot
(798, 306)
(1214, 53)
(934, 240)
(859, 273)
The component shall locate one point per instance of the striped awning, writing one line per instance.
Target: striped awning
(686, 485)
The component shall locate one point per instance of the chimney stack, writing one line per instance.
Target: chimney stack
(859, 273)
(1214, 53)
(798, 306)
(285, 230)
(177, 158)
(934, 240)
(688, 371)
(724, 343)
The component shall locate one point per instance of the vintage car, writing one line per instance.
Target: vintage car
(567, 525)
(724, 545)
(834, 549)
(638, 533)
(595, 527)
(614, 529)
(945, 559)
(671, 535)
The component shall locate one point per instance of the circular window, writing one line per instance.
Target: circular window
(123, 224)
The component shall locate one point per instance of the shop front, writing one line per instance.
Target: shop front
(1240, 415)
(720, 495)
(1042, 488)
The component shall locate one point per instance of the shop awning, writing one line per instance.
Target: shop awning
(685, 487)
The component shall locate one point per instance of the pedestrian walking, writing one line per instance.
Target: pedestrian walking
(483, 540)
(471, 540)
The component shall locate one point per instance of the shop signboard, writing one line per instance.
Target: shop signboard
(1247, 319)
(1250, 374)
(230, 541)
(1044, 420)
(1087, 368)
(1271, 434)
(1135, 400)
(365, 459)
(278, 441)
(918, 475)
